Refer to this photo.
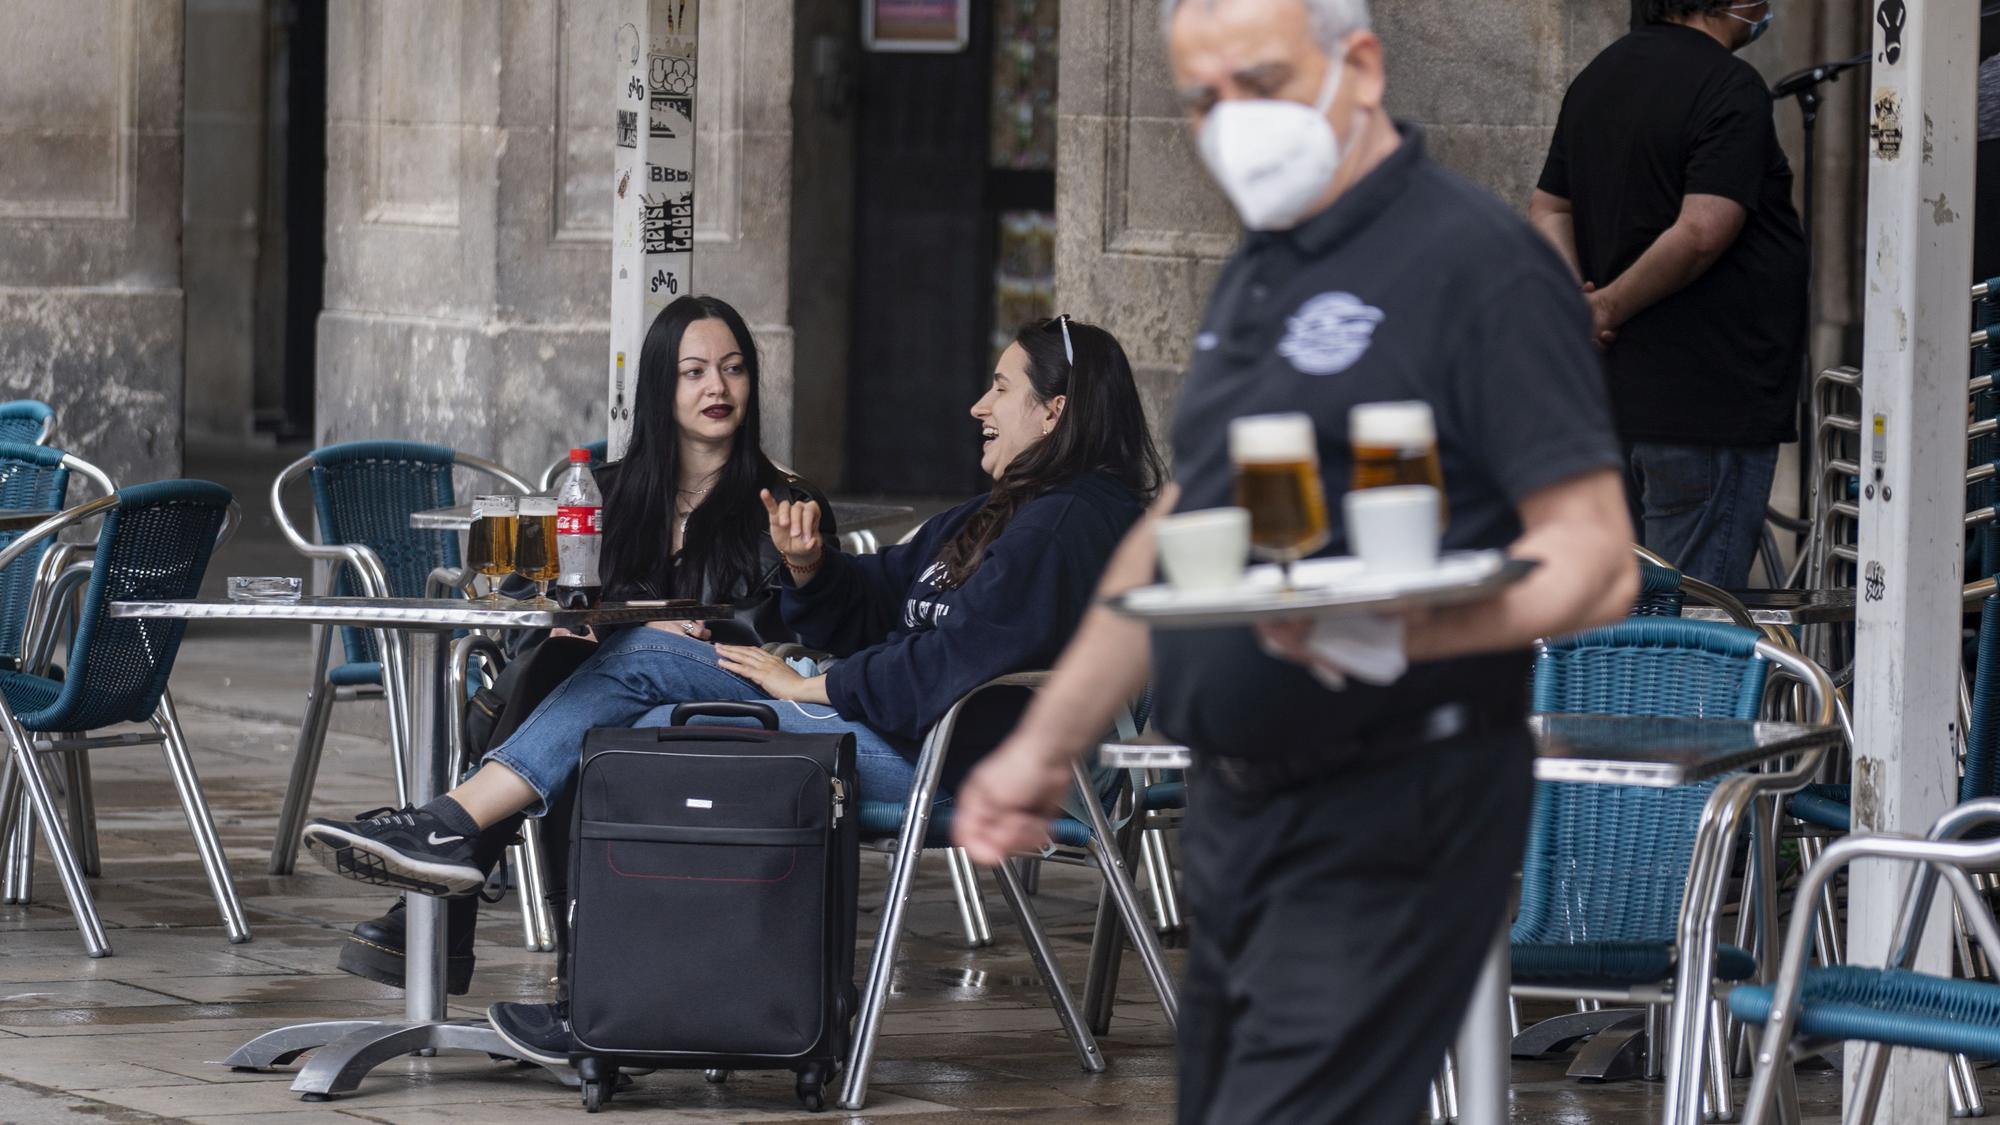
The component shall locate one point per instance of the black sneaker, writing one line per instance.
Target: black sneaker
(538, 1032)
(374, 949)
(406, 848)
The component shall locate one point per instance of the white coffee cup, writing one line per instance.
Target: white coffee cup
(1204, 550)
(1394, 530)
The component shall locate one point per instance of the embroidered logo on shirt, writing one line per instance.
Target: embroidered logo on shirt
(1329, 333)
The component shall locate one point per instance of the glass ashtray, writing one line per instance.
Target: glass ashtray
(264, 589)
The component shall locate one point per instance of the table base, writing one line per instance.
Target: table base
(344, 1051)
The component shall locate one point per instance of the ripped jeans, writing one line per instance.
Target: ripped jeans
(634, 679)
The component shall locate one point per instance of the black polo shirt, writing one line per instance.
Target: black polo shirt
(1664, 113)
(1414, 285)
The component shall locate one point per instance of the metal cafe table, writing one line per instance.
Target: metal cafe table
(351, 1048)
(851, 516)
(1603, 750)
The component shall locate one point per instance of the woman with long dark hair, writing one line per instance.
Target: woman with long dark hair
(683, 519)
(996, 585)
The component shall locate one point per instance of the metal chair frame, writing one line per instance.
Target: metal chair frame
(372, 578)
(23, 776)
(1942, 853)
(1703, 892)
(527, 858)
(909, 848)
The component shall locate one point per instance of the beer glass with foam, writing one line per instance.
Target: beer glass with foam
(1277, 482)
(535, 545)
(489, 545)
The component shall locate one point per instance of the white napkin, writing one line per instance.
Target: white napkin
(1367, 646)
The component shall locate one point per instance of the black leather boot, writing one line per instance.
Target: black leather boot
(374, 950)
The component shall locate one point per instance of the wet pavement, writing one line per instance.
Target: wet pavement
(969, 1035)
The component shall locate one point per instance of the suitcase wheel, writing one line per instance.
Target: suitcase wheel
(812, 1090)
(596, 1092)
(716, 1076)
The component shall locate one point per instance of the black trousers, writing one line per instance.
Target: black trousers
(1337, 929)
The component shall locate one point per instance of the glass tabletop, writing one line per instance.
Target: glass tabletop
(1661, 751)
(849, 516)
(21, 519)
(1601, 749)
(1785, 607)
(421, 613)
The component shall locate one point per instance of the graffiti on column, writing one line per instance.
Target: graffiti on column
(667, 225)
(652, 208)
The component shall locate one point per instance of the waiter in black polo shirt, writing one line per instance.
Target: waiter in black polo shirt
(1347, 852)
(1667, 192)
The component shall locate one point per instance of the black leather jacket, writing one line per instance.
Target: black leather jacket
(757, 619)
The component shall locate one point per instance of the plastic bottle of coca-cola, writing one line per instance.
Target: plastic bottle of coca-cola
(579, 534)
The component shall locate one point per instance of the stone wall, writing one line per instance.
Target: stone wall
(90, 226)
(1142, 231)
(468, 216)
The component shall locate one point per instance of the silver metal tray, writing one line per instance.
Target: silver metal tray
(1324, 588)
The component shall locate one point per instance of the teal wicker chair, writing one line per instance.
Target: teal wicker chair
(1604, 876)
(26, 421)
(364, 493)
(154, 544)
(1659, 591)
(1891, 1006)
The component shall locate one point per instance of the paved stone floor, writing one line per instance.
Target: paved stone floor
(969, 1036)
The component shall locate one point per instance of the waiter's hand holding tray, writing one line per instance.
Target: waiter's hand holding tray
(1324, 588)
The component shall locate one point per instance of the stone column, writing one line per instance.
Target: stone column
(90, 226)
(468, 216)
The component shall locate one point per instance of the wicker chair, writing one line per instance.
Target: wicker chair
(1604, 877)
(26, 421)
(154, 544)
(364, 493)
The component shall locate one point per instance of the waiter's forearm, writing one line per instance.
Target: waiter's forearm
(1580, 535)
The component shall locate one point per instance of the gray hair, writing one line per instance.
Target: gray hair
(1332, 20)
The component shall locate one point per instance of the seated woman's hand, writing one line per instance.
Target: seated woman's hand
(696, 629)
(776, 678)
(794, 531)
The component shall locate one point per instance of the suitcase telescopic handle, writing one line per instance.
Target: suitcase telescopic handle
(761, 712)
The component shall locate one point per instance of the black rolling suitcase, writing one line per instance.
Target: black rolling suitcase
(712, 901)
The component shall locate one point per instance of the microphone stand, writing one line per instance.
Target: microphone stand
(1804, 86)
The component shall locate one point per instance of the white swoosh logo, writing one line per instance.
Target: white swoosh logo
(436, 839)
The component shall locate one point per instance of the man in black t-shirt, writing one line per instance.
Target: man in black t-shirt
(1347, 850)
(1667, 192)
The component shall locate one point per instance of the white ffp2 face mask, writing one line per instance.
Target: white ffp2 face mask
(1273, 158)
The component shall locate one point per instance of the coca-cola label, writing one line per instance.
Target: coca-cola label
(578, 543)
(578, 521)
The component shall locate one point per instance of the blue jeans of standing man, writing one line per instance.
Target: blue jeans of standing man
(634, 679)
(1701, 507)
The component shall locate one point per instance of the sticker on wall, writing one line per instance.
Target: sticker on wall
(1885, 124)
(1890, 15)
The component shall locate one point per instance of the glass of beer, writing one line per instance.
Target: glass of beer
(1395, 443)
(489, 545)
(1277, 482)
(535, 546)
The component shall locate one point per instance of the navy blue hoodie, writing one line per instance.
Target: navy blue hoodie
(910, 648)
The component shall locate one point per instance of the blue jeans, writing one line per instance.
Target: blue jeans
(1701, 507)
(634, 679)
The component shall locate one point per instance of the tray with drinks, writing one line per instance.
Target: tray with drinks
(1323, 588)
